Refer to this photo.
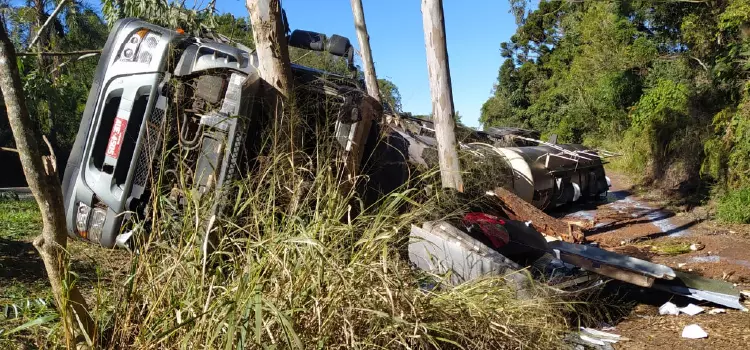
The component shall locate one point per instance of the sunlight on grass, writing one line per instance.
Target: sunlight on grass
(19, 219)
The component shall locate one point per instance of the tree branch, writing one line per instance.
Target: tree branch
(700, 62)
(47, 22)
(72, 53)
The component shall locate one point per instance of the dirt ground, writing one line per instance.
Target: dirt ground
(642, 225)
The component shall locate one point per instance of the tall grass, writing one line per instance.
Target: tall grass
(312, 277)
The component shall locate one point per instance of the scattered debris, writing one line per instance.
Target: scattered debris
(521, 210)
(621, 267)
(605, 337)
(691, 309)
(591, 340)
(697, 246)
(716, 311)
(694, 331)
(701, 288)
(443, 249)
(727, 275)
(681, 265)
(669, 309)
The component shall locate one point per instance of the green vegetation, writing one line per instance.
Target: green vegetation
(19, 219)
(670, 248)
(665, 83)
(733, 207)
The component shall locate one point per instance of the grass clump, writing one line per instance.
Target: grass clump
(733, 207)
(671, 248)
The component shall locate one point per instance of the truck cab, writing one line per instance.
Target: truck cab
(162, 102)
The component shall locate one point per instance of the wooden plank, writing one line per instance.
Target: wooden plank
(619, 274)
(518, 209)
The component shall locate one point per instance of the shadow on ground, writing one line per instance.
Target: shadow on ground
(21, 263)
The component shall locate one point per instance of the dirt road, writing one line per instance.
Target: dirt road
(642, 226)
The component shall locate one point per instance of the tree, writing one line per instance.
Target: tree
(664, 81)
(442, 96)
(362, 128)
(41, 175)
(390, 95)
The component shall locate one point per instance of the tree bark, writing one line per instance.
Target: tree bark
(362, 128)
(363, 37)
(42, 179)
(442, 96)
(275, 69)
(271, 44)
(521, 210)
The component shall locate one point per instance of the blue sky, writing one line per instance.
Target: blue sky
(474, 29)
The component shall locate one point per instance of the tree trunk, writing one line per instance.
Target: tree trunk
(42, 179)
(521, 210)
(362, 128)
(41, 37)
(270, 44)
(371, 79)
(275, 67)
(442, 96)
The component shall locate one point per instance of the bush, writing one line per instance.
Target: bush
(733, 207)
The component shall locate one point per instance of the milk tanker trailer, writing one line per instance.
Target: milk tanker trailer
(545, 174)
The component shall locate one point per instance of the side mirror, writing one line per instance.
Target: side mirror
(336, 45)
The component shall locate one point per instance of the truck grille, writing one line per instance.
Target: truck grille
(152, 141)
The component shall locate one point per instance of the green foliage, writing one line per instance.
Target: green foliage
(390, 95)
(56, 88)
(663, 106)
(663, 83)
(733, 207)
(165, 13)
(236, 29)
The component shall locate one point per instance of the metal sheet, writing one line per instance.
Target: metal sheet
(701, 288)
(615, 260)
(440, 248)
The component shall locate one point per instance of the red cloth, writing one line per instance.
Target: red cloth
(491, 226)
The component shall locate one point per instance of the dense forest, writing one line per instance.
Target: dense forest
(665, 83)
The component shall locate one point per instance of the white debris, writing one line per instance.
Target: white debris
(669, 309)
(600, 335)
(691, 309)
(591, 340)
(697, 246)
(716, 311)
(681, 265)
(694, 331)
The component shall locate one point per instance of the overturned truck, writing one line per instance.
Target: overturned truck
(168, 109)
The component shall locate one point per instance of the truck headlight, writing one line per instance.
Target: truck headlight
(82, 219)
(90, 222)
(139, 45)
(98, 216)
